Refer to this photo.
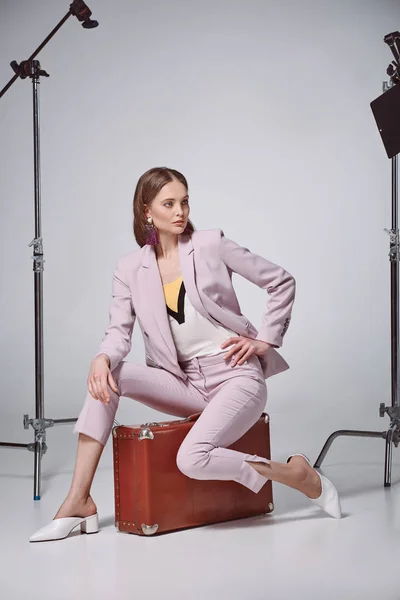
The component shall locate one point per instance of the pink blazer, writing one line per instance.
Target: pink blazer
(207, 260)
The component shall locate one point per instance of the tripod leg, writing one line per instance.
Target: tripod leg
(348, 432)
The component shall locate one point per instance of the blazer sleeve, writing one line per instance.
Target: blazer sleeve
(117, 339)
(279, 284)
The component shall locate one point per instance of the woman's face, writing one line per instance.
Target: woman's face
(171, 204)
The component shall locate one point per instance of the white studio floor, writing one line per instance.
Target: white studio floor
(295, 552)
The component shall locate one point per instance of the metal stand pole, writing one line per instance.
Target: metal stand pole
(31, 68)
(38, 262)
(386, 112)
(392, 434)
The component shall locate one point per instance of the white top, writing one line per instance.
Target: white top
(193, 334)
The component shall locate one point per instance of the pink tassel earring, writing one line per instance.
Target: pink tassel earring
(152, 237)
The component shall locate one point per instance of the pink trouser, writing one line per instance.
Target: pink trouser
(230, 399)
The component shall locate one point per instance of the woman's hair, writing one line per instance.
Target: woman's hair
(147, 188)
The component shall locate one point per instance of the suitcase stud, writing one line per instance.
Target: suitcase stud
(271, 506)
(146, 433)
(149, 529)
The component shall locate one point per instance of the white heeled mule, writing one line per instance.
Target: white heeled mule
(59, 529)
(329, 499)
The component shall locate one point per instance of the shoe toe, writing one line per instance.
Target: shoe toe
(329, 499)
(55, 530)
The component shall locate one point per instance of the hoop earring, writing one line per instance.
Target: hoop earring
(151, 237)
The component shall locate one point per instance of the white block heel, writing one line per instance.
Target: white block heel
(329, 499)
(90, 524)
(59, 529)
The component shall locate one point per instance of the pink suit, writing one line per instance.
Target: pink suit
(230, 399)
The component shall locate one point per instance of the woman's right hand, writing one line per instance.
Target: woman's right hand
(99, 378)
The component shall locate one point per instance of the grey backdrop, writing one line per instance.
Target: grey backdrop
(264, 106)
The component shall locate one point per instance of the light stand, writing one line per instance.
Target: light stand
(386, 110)
(31, 68)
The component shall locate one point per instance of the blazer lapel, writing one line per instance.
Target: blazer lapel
(201, 302)
(186, 257)
(151, 284)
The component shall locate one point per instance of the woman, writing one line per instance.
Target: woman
(202, 354)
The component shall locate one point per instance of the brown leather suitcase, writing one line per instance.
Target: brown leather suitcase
(153, 496)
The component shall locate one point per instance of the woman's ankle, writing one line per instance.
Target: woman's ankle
(78, 497)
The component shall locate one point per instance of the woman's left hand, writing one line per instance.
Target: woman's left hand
(243, 348)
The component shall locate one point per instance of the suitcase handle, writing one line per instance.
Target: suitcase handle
(193, 417)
